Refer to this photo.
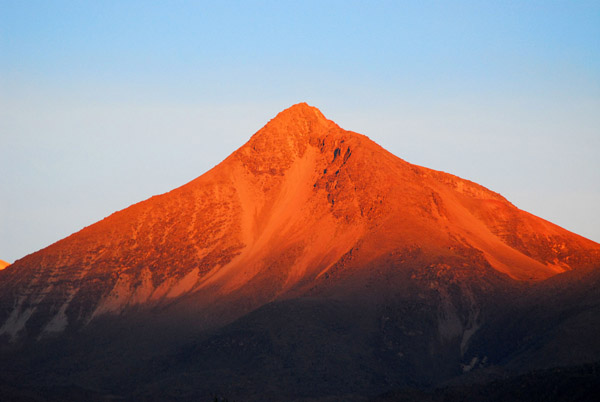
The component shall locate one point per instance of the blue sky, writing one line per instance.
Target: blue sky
(103, 104)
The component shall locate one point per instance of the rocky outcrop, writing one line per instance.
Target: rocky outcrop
(281, 216)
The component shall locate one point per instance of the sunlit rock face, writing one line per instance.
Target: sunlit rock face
(299, 208)
(305, 210)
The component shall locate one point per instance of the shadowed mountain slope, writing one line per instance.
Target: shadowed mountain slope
(303, 201)
(396, 273)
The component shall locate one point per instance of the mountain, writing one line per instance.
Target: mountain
(310, 252)
(3, 264)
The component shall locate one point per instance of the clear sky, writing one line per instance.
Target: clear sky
(106, 103)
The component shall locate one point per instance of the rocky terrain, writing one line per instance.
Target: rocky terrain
(311, 264)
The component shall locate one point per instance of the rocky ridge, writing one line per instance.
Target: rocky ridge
(306, 229)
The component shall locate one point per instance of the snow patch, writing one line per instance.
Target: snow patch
(470, 366)
(17, 319)
(118, 297)
(144, 290)
(59, 321)
(162, 289)
(128, 292)
(185, 284)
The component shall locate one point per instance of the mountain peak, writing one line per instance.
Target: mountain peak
(301, 110)
(285, 137)
(303, 207)
(299, 120)
(307, 226)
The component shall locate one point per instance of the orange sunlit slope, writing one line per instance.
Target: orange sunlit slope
(302, 203)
